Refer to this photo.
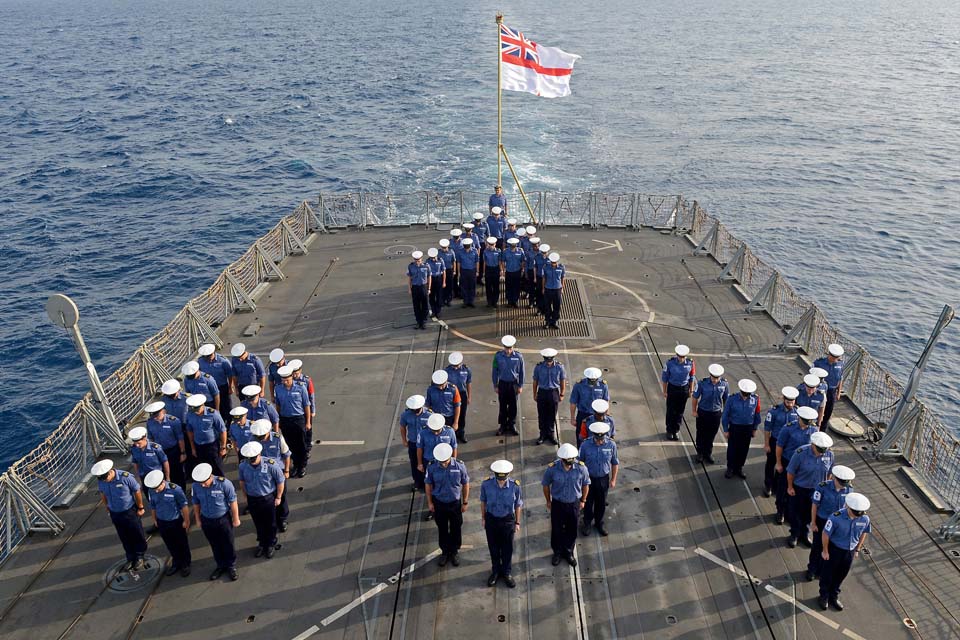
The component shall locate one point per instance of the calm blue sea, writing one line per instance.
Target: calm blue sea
(144, 145)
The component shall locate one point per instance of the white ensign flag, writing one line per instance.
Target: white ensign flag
(533, 68)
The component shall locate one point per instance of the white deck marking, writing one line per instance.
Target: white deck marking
(676, 549)
(610, 245)
(340, 442)
(403, 352)
(576, 587)
(306, 634)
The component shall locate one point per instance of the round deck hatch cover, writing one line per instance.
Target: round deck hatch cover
(124, 581)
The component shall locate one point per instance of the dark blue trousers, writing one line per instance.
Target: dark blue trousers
(130, 530)
(500, 542)
(175, 538)
(219, 533)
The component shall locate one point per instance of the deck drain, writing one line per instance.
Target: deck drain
(955, 553)
(637, 489)
(652, 547)
(299, 489)
(124, 581)
(501, 618)
(251, 619)
(525, 323)
(909, 623)
(671, 619)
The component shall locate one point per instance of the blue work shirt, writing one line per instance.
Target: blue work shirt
(261, 479)
(491, 257)
(538, 261)
(834, 371)
(216, 499)
(480, 230)
(778, 418)
(414, 422)
(448, 257)
(828, 499)
(418, 273)
(204, 384)
(206, 426)
(427, 439)
(792, 438)
(167, 433)
(678, 373)
(219, 368)
(495, 226)
(599, 458)
(469, 259)
(274, 446)
(566, 486)
(498, 501)
(305, 382)
(443, 401)
(711, 397)
(148, 459)
(459, 376)
(809, 470)
(263, 410)
(176, 406)
(248, 371)
(549, 376)
(508, 368)
(499, 201)
(740, 411)
(584, 393)
(508, 233)
(512, 260)
(169, 502)
(553, 275)
(815, 400)
(844, 531)
(240, 433)
(446, 483)
(272, 374)
(475, 243)
(293, 401)
(436, 270)
(119, 491)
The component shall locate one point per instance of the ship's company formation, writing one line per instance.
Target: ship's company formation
(269, 429)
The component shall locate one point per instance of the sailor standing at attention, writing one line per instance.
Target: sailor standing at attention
(448, 492)
(444, 398)
(843, 536)
(599, 454)
(810, 465)
(412, 421)
(196, 382)
(167, 431)
(216, 513)
(147, 456)
(220, 369)
(534, 265)
(277, 360)
(495, 225)
(513, 269)
(428, 439)
(171, 514)
(793, 435)
(460, 376)
(293, 405)
(709, 396)
(498, 201)
(833, 365)
(239, 430)
(678, 377)
(418, 275)
(566, 485)
(828, 496)
(778, 417)
(740, 419)
(449, 259)
(469, 261)
(174, 400)
(553, 276)
(811, 396)
(493, 269)
(207, 433)
(508, 384)
(247, 368)
(258, 408)
(262, 481)
(500, 504)
(120, 492)
(437, 281)
(600, 410)
(549, 384)
(591, 387)
(274, 447)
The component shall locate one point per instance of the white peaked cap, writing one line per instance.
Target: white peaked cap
(201, 472)
(190, 368)
(467, 241)
(820, 373)
(681, 350)
(501, 466)
(592, 373)
(808, 413)
(251, 390)
(433, 252)
(444, 242)
(238, 349)
(456, 232)
(478, 216)
(170, 387)
(260, 427)
(416, 255)
(153, 479)
(455, 358)
(101, 467)
(196, 400)
(436, 422)
(251, 449)
(715, 370)
(513, 241)
(747, 385)
(600, 405)
(544, 248)
(508, 340)
(531, 230)
(496, 210)
(439, 376)
(811, 380)
(549, 352)
(858, 501)
(415, 402)
(153, 407)
(491, 240)
(276, 355)
(236, 412)
(534, 239)
(821, 439)
(512, 221)
(567, 450)
(137, 433)
(835, 350)
(790, 393)
(521, 232)
(442, 452)
(295, 365)
(206, 349)
(841, 472)
(554, 257)
(599, 427)
(285, 371)
(469, 226)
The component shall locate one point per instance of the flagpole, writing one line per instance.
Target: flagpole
(499, 100)
(516, 179)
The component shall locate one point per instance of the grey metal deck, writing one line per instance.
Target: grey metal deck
(682, 538)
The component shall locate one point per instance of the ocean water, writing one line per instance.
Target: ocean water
(144, 145)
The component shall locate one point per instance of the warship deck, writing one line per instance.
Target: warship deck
(690, 554)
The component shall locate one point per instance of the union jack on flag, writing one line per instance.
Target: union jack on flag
(513, 43)
(533, 68)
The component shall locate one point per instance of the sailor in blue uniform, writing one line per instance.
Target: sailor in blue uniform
(412, 421)
(195, 382)
(599, 454)
(449, 259)
(828, 496)
(468, 233)
(553, 277)
(469, 261)
(678, 376)
(539, 261)
(239, 429)
(498, 201)
(740, 419)
(500, 504)
(508, 376)
(509, 230)
(277, 360)
(566, 485)
(525, 250)
(533, 271)
(493, 269)
(793, 435)
(843, 536)
(549, 385)
(832, 363)
(258, 408)
(811, 396)
(600, 409)
(120, 492)
(495, 226)
(274, 448)
(437, 432)
(207, 433)
(460, 376)
(247, 368)
(145, 455)
(418, 276)
(809, 466)
(262, 481)
(215, 512)
(456, 246)
(780, 417)
(709, 396)
(293, 405)
(444, 398)
(512, 260)
(448, 492)
(589, 388)
(302, 379)
(167, 431)
(480, 228)
(174, 400)
(437, 281)
(171, 514)
(218, 368)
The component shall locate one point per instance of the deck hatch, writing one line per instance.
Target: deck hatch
(527, 323)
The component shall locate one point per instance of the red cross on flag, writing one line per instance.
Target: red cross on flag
(533, 68)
